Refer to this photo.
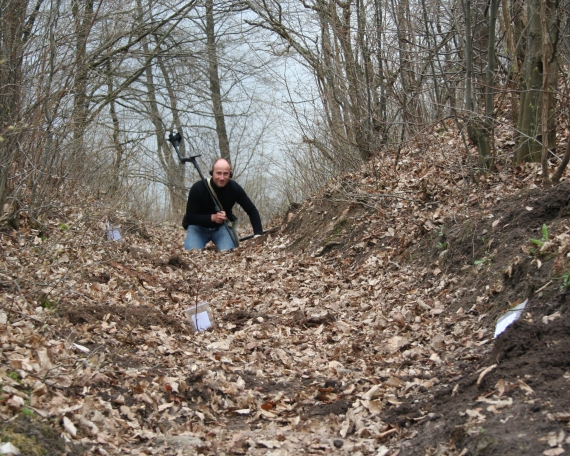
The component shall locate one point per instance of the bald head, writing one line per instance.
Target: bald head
(221, 172)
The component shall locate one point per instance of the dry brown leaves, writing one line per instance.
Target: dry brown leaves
(308, 350)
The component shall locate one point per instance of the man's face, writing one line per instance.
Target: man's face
(221, 173)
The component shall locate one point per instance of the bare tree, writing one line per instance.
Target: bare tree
(214, 78)
(15, 28)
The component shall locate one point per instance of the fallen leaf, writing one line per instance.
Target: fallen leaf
(485, 372)
(527, 389)
(501, 387)
(553, 452)
(69, 426)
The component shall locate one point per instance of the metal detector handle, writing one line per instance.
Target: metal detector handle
(270, 230)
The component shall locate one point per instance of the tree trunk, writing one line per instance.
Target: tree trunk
(411, 112)
(380, 118)
(352, 71)
(403, 74)
(331, 94)
(368, 91)
(486, 161)
(12, 28)
(483, 30)
(432, 45)
(119, 149)
(549, 83)
(531, 119)
(82, 11)
(164, 154)
(214, 77)
(513, 36)
(178, 169)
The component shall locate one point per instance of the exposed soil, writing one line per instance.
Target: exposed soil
(143, 316)
(494, 241)
(532, 362)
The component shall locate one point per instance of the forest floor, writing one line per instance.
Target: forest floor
(364, 325)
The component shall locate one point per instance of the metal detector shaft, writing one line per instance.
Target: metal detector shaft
(175, 141)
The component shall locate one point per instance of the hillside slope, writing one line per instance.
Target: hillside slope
(364, 326)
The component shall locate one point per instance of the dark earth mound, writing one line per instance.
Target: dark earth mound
(513, 409)
(515, 399)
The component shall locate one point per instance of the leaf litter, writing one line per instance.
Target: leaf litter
(364, 326)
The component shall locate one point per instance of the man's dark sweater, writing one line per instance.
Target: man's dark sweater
(200, 206)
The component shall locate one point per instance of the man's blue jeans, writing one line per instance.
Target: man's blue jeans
(198, 236)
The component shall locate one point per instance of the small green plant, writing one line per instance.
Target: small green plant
(45, 302)
(487, 259)
(63, 226)
(340, 225)
(27, 412)
(565, 280)
(15, 376)
(442, 245)
(27, 444)
(541, 242)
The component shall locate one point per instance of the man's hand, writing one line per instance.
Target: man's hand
(219, 217)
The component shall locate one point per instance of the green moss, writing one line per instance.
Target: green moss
(28, 438)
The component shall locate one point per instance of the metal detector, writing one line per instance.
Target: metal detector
(175, 140)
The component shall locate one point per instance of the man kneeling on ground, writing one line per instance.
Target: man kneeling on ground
(203, 223)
